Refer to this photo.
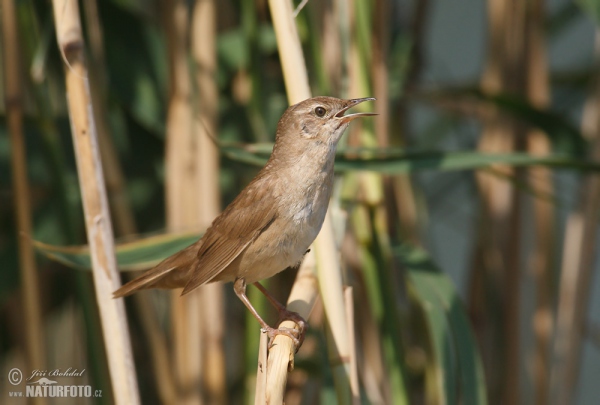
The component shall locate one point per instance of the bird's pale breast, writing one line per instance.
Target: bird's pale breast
(303, 202)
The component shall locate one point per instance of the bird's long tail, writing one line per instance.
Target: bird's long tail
(170, 273)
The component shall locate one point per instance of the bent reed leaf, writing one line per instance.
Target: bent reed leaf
(456, 372)
(397, 160)
(137, 255)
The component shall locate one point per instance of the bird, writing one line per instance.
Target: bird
(270, 225)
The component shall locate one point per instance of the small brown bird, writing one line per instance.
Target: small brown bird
(273, 221)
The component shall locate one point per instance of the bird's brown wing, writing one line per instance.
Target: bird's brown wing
(253, 211)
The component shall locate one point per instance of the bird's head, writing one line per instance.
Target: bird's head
(315, 121)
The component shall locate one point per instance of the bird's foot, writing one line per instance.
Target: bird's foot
(294, 334)
(285, 315)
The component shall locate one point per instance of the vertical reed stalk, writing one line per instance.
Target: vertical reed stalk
(579, 253)
(281, 356)
(354, 388)
(379, 71)
(30, 292)
(97, 218)
(181, 197)
(330, 276)
(540, 179)
(69, 222)
(120, 206)
(400, 193)
(330, 44)
(498, 251)
(203, 44)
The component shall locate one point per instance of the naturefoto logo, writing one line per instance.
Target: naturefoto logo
(46, 383)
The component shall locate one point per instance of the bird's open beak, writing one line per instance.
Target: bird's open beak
(350, 104)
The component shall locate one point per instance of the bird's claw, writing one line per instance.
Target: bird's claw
(294, 334)
(295, 317)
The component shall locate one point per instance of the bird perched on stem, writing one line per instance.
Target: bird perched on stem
(272, 222)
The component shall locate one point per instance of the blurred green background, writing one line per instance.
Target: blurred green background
(471, 89)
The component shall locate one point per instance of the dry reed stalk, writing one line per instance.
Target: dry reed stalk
(181, 199)
(368, 338)
(120, 206)
(331, 286)
(354, 388)
(203, 47)
(379, 71)
(399, 191)
(577, 267)
(280, 358)
(281, 355)
(373, 370)
(370, 185)
(159, 354)
(290, 51)
(260, 394)
(499, 246)
(540, 179)
(326, 12)
(97, 218)
(30, 292)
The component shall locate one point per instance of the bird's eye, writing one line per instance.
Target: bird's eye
(320, 111)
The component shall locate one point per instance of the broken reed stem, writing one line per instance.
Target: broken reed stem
(14, 114)
(95, 204)
(261, 371)
(281, 356)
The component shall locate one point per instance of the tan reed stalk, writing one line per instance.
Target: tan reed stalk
(30, 292)
(331, 51)
(372, 369)
(304, 291)
(577, 267)
(331, 288)
(182, 199)
(203, 44)
(379, 70)
(120, 206)
(280, 358)
(97, 218)
(159, 355)
(291, 56)
(498, 252)
(541, 180)
(261, 371)
(401, 202)
(354, 389)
